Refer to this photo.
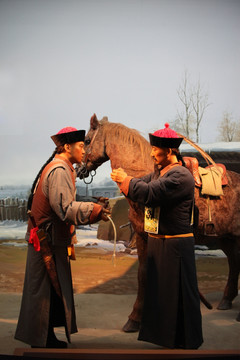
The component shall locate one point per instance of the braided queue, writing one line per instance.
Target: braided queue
(30, 198)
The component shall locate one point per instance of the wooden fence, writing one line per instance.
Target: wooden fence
(13, 209)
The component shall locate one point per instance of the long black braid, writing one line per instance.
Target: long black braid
(179, 156)
(30, 198)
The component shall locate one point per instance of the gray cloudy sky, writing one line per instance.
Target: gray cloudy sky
(61, 61)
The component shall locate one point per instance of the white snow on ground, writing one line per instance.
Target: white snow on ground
(86, 236)
(14, 233)
(12, 230)
(218, 253)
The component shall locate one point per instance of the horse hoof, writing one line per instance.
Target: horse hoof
(224, 305)
(131, 326)
(238, 317)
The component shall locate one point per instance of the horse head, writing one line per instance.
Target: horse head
(110, 141)
(95, 145)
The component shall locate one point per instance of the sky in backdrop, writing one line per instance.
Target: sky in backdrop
(63, 60)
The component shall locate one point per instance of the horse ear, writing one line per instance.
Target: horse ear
(94, 122)
(104, 119)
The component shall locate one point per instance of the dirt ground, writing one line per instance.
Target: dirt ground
(94, 272)
(104, 296)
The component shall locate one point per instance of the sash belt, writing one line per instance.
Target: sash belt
(160, 236)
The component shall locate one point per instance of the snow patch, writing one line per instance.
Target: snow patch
(86, 237)
(12, 230)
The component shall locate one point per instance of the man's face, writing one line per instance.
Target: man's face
(77, 152)
(160, 155)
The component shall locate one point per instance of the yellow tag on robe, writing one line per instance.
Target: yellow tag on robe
(71, 252)
(151, 220)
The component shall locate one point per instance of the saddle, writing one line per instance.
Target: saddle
(210, 179)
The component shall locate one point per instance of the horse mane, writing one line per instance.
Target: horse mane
(128, 136)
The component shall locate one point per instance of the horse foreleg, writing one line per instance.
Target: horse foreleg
(231, 290)
(133, 322)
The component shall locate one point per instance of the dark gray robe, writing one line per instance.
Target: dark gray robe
(40, 304)
(171, 312)
(37, 296)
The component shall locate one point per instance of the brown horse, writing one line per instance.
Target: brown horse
(127, 149)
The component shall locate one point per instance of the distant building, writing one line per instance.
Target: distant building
(106, 191)
(82, 190)
(14, 191)
(227, 153)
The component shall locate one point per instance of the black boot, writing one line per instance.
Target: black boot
(53, 342)
(56, 308)
(131, 326)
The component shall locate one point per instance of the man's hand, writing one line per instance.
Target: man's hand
(104, 214)
(118, 175)
(104, 201)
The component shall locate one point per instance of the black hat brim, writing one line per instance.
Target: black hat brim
(161, 142)
(69, 138)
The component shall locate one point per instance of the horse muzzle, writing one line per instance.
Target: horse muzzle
(82, 171)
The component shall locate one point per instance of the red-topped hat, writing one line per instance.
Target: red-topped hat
(166, 138)
(68, 135)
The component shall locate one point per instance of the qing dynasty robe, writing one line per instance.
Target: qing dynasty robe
(55, 209)
(171, 311)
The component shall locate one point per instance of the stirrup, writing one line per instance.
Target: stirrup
(209, 229)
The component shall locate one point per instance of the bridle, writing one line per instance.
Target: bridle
(91, 142)
(82, 170)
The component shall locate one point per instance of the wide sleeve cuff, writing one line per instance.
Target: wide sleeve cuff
(96, 214)
(124, 187)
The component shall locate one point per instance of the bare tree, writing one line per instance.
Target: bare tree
(237, 133)
(183, 119)
(228, 129)
(195, 103)
(199, 105)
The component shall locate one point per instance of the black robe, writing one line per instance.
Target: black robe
(171, 312)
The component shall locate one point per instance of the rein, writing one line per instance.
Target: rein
(85, 174)
(114, 241)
